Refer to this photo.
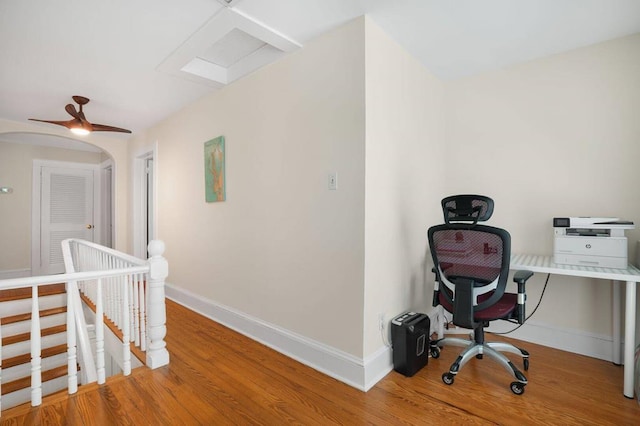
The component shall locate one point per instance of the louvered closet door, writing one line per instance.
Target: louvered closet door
(66, 212)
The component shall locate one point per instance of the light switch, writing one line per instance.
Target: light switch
(333, 181)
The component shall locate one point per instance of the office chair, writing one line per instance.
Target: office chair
(471, 264)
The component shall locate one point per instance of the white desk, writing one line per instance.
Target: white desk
(545, 265)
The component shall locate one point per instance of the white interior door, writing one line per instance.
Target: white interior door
(66, 211)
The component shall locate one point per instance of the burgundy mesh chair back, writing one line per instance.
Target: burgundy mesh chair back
(473, 261)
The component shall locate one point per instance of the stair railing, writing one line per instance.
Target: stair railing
(134, 302)
(125, 290)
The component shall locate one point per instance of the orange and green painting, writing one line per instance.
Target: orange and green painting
(214, 180)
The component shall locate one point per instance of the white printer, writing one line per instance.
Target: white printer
(591, 241)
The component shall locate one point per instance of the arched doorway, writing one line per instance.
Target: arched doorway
(51, 177)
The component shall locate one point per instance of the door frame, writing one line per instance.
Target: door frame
(107, 197)
(36, 198)
(140, 197)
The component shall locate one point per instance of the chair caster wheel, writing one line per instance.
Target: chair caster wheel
(447, 378)
(526, 364)
(516, 387)
(435, 352)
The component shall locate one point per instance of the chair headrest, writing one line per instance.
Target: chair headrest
(467, 208)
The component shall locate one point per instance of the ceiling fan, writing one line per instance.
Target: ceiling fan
(79, 124)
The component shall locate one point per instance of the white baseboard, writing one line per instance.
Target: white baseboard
(359, 373)
(363, 374)
(566, 339)
(377, 365)
(14, 273)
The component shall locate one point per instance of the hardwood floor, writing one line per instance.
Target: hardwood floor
(220, 377)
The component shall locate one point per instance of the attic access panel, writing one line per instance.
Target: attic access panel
(229, 46)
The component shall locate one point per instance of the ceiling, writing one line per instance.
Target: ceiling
(132, 58)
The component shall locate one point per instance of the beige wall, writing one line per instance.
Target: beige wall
(554, 137)
(546, 138)
(115, 148)
(16, 170)
(404, 181)
(282, 247)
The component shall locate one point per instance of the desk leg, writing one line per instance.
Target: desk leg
(629, 338)
(617, 356)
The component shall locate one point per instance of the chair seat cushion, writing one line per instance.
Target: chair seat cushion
(501, 310)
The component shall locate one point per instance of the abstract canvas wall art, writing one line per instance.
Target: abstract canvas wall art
(214, 170)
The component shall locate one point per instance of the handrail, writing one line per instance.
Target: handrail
(14, 283)
(126, 290)
(109, 251)
(77, 333)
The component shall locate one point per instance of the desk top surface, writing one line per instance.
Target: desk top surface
(546, 265)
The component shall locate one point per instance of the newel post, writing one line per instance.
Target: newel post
(157, 354)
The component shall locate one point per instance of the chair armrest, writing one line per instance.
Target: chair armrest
(521, 278)
(436, 289)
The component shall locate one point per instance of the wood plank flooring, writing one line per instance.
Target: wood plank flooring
(219, 377)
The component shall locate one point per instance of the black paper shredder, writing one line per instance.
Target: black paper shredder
(410, 341)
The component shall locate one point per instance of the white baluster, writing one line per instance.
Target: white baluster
(106, 296)
(121, 308)
(126, 347)
(36, 351)
(100, 334)
(136, 310)
(117, 300)
(73, 249)
(157, 354)
(72, 361)
(106, 290)
(130, 314)
(115, 287)
(143, 319)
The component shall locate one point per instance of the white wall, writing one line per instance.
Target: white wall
(559, 136)
(282, 248)
(404, 181)
(16, 171)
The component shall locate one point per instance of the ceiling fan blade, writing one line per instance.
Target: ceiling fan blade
(68, 124)
(80, 122)
(72, 111)
(104, 128)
